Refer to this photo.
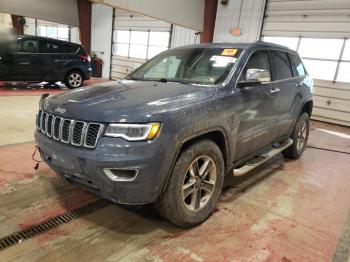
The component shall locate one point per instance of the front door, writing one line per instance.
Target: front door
(26, 64)
(258, 103)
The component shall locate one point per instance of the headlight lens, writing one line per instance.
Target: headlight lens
(133, 132)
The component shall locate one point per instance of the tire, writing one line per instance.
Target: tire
(74, 79)
(300, 137)
(185, 211)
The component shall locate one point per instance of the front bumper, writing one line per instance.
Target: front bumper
(85, 166)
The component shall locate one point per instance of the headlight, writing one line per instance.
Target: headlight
(133, 132)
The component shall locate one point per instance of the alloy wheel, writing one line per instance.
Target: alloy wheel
(75, 79)
(199, 183)
(302, 134)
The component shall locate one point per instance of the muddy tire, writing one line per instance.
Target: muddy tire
(300, 136)
(194, 185)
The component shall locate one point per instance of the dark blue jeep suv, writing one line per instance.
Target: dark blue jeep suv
(171, 131)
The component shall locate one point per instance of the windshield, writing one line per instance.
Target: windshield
(206, 66)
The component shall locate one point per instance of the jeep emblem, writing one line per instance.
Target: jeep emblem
(60, 110)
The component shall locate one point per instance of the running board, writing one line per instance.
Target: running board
(261, 159)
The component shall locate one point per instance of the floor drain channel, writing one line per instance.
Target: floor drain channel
(20, 236)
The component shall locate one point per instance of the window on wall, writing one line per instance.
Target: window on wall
(139, 44)
(325, 59)
(51, 30)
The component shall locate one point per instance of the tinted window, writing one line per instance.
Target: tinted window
(27, 46)
(52, 48)
(281, 65)
(258, 60)
(297, 65)
(69, 49)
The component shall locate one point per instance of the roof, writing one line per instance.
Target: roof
(46, 39)
(240, 45)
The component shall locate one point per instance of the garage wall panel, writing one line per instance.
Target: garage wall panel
(186, 13)
(124, 20)
(331, 102)
(328, 19)
(183, 36)
(316, 18)
(247, 15)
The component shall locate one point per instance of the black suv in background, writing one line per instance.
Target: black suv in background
(35, 58)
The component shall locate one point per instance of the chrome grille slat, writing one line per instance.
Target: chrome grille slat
(93, 133)
(69, 131)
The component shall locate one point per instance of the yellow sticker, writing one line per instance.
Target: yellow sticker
(229, 51)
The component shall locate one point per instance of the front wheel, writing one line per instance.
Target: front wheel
(74, 79)
(194, 186)
(300, 136)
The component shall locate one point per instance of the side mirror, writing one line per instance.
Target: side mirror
(255, 77)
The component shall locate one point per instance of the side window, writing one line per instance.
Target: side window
(52, 48)
(297, 65)
(258, 60)
(281, 65)
(27, 46)
(70, 49)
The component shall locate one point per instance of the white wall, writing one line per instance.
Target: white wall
(101, 35)
(29, 28)
(5, 21)
(244, 14)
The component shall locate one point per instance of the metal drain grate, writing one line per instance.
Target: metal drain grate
(20, 236)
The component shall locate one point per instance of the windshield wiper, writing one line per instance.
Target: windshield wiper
(135, 78)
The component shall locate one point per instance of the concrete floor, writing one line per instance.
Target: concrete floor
(283, 211)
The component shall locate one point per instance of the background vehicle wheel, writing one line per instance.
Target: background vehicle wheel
(74, 79)
(300, 136)
(194, 186)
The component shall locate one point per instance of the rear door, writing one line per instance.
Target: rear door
(27, 63)
(286, 87)
(257, 121)
(55, 59)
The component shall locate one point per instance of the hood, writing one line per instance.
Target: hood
(125, 101)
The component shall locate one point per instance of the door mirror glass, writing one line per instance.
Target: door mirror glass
(258, 75)
(255, 76)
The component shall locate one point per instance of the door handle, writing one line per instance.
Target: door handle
(299, 84)
(24, 63)
(274, 90)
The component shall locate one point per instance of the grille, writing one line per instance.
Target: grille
(69, 131)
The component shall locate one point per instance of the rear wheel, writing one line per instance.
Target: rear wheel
(74, 79)
(300, 136)
(194, 186)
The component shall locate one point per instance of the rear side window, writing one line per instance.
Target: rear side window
(52, 48)
(70, 49)
(297, 65)
(258, 60)
(281, 65)
(27, 46)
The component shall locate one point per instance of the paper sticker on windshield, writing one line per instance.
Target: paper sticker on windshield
(229, 51)
(222, 61)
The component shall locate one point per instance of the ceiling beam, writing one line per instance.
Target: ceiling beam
(186, 13)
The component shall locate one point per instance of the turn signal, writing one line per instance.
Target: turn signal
(154, 131)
